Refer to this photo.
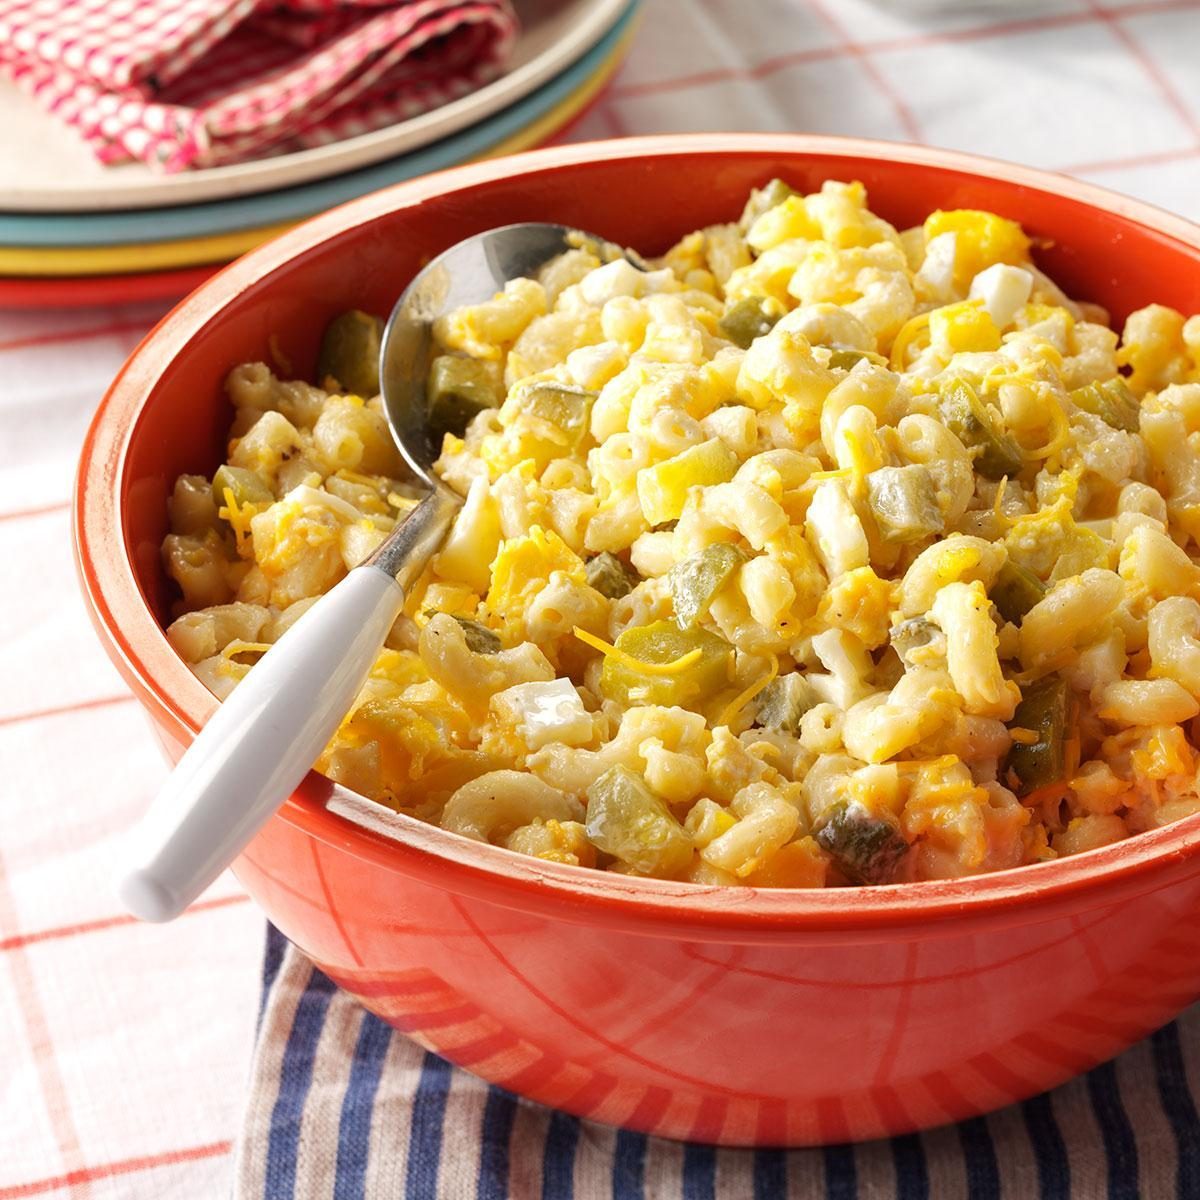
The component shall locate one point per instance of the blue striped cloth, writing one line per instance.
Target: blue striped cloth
(343, 1108)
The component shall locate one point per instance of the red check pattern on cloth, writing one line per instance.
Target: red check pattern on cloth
(124, 1048)
(197, 83)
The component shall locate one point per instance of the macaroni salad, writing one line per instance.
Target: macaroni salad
(812, 553)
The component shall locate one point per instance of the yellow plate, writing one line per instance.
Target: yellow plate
(219, 248)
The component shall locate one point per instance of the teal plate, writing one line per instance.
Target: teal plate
(294, 204)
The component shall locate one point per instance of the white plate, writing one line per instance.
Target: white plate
(46, 167)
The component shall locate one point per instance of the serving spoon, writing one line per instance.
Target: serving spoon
(266, 736)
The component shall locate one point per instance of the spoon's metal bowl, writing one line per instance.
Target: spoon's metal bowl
(468, 273)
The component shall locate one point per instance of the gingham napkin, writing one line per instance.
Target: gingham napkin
(198, 83)
(342, 1106)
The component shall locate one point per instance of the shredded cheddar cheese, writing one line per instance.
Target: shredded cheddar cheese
(912, 329)
(744, 697)
(636, 664)
(238, 517)
(997, 510)
(1060, 437)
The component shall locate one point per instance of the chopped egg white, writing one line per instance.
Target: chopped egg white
(543, 713)
(1004, 291)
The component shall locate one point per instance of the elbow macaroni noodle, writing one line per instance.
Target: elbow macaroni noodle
(814, 553)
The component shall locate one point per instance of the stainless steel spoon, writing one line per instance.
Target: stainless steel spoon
(262, 741)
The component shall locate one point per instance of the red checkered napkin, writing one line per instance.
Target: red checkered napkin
(199, 83)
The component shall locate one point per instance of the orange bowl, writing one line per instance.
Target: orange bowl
(723, 1015)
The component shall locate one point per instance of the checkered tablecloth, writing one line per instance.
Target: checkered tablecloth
(125, 1050)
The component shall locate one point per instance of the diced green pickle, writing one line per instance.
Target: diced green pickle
(459, 388)
(568, 409)
(972, 422)
(847, 360)
(1044, 709)
(763, 199)
(246, 486)
(663, 489)
(695, 582)
(664, 642)
(350, 352)
(1079, 549)
(479, 638)
(904, 501)
(1112, 402)
(867, 849)
(782, 703)
(610, 576)
(1016, 590)
(912, 636)
(627, 820)
(748, 319)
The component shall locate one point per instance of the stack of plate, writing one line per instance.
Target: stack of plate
(75, 232)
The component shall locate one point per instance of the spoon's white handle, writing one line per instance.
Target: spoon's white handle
(258, 745)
